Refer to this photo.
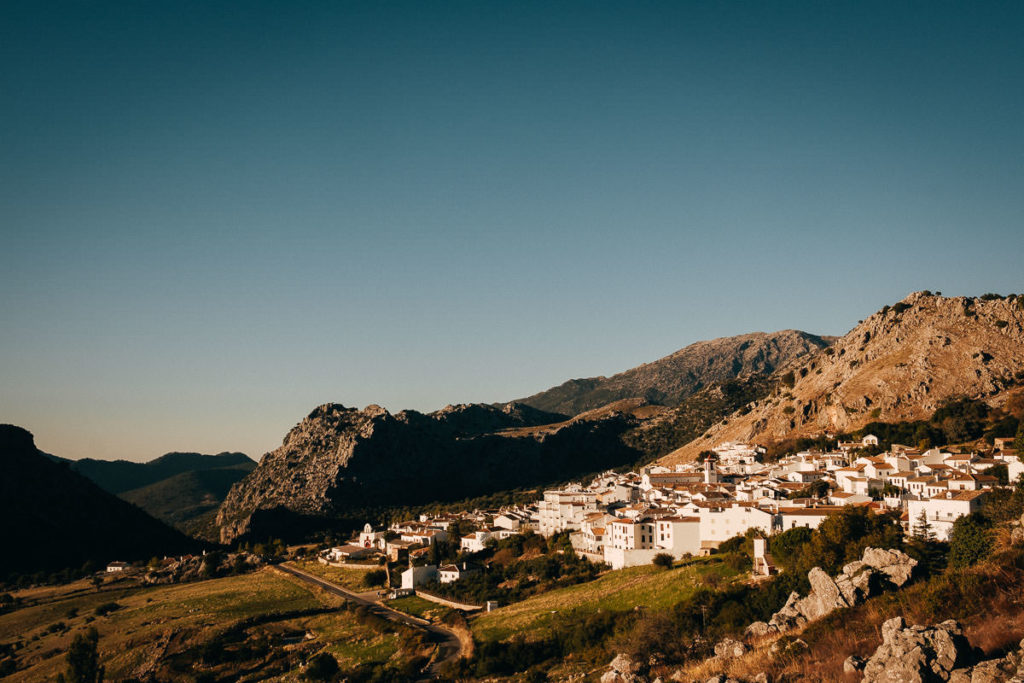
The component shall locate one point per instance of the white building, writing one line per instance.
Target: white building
(721, 522)
(417, 576)
(565, 510)
(476, 541)
(942, 511)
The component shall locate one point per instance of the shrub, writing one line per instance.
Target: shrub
(663, 560)
(321, 667)
(970, 541)
(375, 577)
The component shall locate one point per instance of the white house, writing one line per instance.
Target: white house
(417, 576)
(564, 510)
(721, 522)
(942, 511)
(450, 573)
(476, 541)
(791, 518)
(115, 567)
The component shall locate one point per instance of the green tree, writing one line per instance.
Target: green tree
(970, 541)
(922, 530)
(83, 661)
(1018, 441)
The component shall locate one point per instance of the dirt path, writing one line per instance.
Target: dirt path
(449, 645)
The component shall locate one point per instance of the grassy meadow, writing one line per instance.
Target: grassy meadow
(259, 626)
(646, 586)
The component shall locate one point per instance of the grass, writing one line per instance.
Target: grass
(348, 576)
(620, 590)
(416, 606)
(161, 623)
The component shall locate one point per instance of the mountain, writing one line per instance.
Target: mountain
(673, 378)
(54, 518)
(901, 363)
(118, 476)
(339, 461)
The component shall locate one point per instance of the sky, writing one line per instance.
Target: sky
(216, 216)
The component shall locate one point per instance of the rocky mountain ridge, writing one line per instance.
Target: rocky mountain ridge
(671, 379)
(340, 459)
(901, 363)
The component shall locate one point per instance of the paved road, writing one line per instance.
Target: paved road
(448, 646)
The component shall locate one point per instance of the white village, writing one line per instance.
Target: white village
(628, 519)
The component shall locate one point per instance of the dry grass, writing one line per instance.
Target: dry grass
(987, 600)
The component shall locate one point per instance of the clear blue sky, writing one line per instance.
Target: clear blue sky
(216, 216)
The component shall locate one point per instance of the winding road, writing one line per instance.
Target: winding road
(449, 647)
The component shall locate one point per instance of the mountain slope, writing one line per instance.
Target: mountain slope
(901, 363)
(338, 461)
(673, 378)
(188, 500)
(118, 476)
(55, 518)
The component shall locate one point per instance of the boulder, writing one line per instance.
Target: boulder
(729, 648)
(853, 664)
(622, 670)
(897, 566)
(917, 654)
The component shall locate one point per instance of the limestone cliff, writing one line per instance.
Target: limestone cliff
(901, 363)
(338, 460)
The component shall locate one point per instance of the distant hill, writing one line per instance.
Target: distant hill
(118, 476)
(672, 379)
(54, 518)
(902, 363)
(182, 489)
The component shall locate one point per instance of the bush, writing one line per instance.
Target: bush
(970, 541)
(321, 667)
(663, 560)
(375, 577)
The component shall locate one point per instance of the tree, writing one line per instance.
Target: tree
(1018, 442)
(83, 661)
(375, 577)
(970, 541)
(922, 529)
(663, 560)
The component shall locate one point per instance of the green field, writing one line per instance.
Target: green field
(348, 576)
(624, 589)
(416, 606)
(161, 630)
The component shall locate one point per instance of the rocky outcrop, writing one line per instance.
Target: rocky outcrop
(922, 654)
(858, 581)
(338, 461)
(622, 669)
(901, 363)
(671, 379)
(917, 654)
(730, 649)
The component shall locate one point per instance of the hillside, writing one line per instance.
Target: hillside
(671, 379)
(55, 518)
(901, 363)
(118, 476)
(189, 500)
(339, 461)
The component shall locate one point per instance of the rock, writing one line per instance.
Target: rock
(1017, 535)
(759, 629)
(729, 648)
(897, 566)
(761, 678)
(917, 654)
(824, 598)
(624, 664)
(853, 664)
